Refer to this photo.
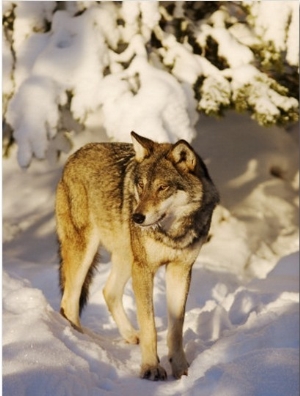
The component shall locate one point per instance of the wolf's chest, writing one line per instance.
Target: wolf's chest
(158, 253)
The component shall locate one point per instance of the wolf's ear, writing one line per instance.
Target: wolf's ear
(143, 147)
(183, 156)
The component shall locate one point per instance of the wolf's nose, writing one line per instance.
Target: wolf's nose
(138, 218)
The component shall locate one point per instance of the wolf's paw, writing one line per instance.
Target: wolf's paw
(153, 373)
(179, 367)
(75, 324)
(132, 337)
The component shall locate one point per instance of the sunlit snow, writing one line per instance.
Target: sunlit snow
(241, 332)
(242, 321)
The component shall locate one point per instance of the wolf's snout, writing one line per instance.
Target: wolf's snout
(138, 218)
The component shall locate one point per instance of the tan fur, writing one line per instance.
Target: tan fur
(150, 205)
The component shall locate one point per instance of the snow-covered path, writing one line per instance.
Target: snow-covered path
(241, 329)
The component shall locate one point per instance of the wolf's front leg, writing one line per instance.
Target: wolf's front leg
(178, 277)
(142, 280)
(113, 293)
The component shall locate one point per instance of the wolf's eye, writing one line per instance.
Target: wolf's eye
(140, 184)
(163, 187)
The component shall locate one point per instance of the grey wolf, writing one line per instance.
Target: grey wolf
(149, 204)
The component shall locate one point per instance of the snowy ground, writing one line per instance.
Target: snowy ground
(241, 329)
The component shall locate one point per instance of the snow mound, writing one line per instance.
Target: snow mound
(241, 337)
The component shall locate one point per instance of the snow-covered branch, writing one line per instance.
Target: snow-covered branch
(145, 66)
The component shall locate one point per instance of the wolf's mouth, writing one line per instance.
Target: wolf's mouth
(155, 223)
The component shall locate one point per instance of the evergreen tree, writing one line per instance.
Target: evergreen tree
(143, 65)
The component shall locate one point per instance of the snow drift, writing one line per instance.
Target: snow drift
(242, 321)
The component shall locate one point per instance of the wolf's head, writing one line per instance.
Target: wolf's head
(171, 183)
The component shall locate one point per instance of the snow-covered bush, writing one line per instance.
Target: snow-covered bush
(144, 66)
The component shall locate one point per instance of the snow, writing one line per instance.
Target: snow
(72, 58)
(131, 10)
(235, 53)
(78, 50)
(242, 321)
(160, 104)
(47, 58)
(241, 327)
(255, 87)
(277, 29)
(35, 93)
(293, 37)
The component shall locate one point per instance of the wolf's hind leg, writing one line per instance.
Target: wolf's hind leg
(113, 293)
(77, 259)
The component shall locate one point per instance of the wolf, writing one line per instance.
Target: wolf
(150, 205)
